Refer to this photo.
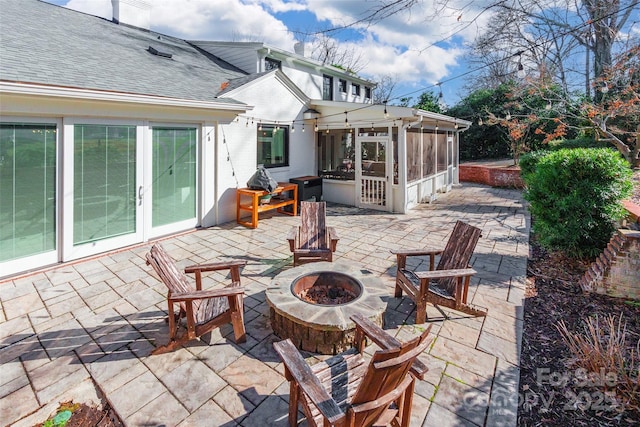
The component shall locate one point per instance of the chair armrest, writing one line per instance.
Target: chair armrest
(224, 265)
(291, 237)
(333, 238)
(385, 341)
(298, 370)
(212, 293)
(440, 274)
(417, 252)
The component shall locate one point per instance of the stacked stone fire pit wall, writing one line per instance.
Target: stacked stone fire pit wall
(317, 328)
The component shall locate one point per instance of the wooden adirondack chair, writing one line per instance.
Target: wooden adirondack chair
(312, 240)
(448, 284)
(204, 309)
(345, 390)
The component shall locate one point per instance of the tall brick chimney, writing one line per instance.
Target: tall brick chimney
(136, 13)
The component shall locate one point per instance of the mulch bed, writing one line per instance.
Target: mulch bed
(83, 415)
(552, 392)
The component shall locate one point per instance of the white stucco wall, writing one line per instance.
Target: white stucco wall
(273, 101)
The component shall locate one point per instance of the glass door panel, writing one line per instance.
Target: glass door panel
(104, 193)
(174, 174)
(27, 191)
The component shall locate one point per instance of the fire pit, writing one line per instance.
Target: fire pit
(312, 304)
(326, 288)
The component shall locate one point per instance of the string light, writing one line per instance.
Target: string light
(303, 127)
(315, 128)
(604, 88)
(480, 122)
(508, 117)
(521, 73)
(386, 114)
(293, 127)
(260, 125)
(327, 128)
(436, 125)
(346, 120)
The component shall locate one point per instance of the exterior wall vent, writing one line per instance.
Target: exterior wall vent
(156, 52)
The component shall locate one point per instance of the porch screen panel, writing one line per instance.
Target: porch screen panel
(428, 154)
(104, 198)
(442, 151)
(413, 155)
(174, 175)
(27, 189)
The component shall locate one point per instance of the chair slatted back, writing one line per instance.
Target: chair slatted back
(313, 230)
(458, 252)
(386, 371)
(168, 272)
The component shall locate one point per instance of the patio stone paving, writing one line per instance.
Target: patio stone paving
(84, 331)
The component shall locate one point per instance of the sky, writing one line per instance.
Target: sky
(417, 48)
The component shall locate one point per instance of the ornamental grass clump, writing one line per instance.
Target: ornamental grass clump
(607, 359)
(575, 198)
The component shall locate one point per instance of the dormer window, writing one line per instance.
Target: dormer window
(343, 86)
(271, 64)
(327, 88)
(355, 90)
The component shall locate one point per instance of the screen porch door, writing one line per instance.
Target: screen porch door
(372, 172)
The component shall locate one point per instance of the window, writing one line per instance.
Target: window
(271, 64)
(174, 175)
(367, 92)
(104, 181)
(327, 88)
(343, 86)
(27, 189)
(273, 146)
(337, 155)
(355, 90)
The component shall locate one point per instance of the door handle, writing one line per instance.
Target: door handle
(140, 196)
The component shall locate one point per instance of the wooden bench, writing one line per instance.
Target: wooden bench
(249, 200)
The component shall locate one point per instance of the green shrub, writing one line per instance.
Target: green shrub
(529, 161)
(575, 198)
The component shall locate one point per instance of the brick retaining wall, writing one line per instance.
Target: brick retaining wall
(495, 176)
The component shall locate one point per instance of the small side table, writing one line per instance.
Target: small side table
(248, 200)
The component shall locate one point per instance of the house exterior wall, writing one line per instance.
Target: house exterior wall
(242, 142)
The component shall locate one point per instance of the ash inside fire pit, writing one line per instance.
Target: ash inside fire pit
(326, 288)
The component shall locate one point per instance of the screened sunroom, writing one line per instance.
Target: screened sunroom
(384, 157)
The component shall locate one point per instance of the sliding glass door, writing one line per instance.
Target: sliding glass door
(104, 210)
(174, 177)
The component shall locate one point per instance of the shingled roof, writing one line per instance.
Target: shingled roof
(46, 44)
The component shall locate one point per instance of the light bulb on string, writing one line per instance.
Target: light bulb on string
(521, 72)
(436, 125)
(303, 127)
(386, 114)
(604, 88)
(259, 125)
(293, 127)
(480, 122)
(315, 128)
(346, 120)
(508, 117)
(327, 129)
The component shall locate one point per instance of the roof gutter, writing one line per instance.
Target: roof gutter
(96, 95)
